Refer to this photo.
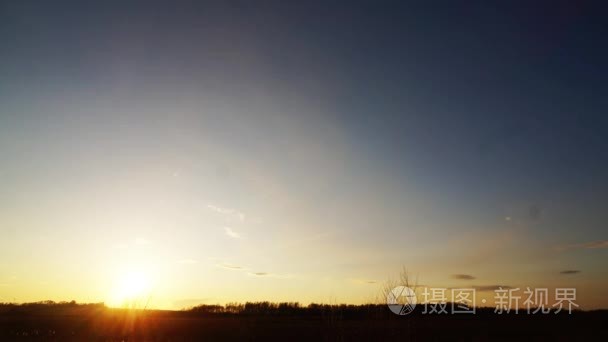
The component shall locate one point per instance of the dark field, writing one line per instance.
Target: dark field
(97, 323)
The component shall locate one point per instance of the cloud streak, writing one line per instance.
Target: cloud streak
(570, 272)
(586, 245)
(250, 272)
(231, 233)
(259, 274)
(363, 281)
(267, 274)
(230, 267)
(596, 244)
(230, 213)
(463, 276)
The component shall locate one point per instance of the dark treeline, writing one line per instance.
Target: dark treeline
(334, 310)
(48, 306)
(264, 308)
(290, 309)
(50, 303)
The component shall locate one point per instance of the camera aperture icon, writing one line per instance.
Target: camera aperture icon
(401, 300)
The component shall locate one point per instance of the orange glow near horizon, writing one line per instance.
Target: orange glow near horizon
(131, 289)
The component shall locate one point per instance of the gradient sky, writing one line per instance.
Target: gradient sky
(305, 151)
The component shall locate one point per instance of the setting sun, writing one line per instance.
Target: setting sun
(132, 289)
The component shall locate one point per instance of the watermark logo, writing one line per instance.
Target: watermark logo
(401, 300)
(437, 301)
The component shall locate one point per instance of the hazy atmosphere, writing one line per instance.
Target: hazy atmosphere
(210, 152)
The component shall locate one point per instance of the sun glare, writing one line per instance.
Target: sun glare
(131, 289)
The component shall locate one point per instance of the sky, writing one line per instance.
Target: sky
(213, 152)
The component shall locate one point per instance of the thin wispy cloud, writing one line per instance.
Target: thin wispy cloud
(230, 266)
(570, 272)
(250, 272)
(364, 281)
(462, 276)
(230, 213)
(231, 233)
(596, 244)
(586, 245)
(268, 274)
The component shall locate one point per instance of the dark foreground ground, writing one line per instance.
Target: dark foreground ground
(97, 323)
